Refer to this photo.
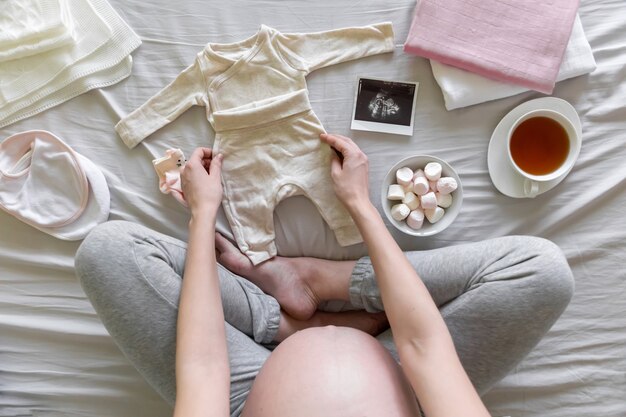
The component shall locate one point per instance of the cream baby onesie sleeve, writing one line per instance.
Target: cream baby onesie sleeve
(310, 51)
(188, 89)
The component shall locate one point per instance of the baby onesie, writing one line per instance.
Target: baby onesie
(256, 100)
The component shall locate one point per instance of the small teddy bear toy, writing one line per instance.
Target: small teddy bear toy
(168, 169)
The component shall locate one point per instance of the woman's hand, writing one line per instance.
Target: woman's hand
(349, 172)
(202, 182)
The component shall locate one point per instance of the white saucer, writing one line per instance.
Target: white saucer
(503, 175)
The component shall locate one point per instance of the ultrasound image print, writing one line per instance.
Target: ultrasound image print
(384, 102)
(383, 107)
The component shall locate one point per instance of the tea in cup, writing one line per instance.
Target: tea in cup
(542, 146)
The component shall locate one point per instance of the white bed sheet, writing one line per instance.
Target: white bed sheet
(57, 359)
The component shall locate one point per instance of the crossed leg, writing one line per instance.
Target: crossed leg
(498, 298)
(132, 276)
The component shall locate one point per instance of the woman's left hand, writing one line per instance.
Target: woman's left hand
(202, 182)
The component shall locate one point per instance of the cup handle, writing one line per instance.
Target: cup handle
(531, 188)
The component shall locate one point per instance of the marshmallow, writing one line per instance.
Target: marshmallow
(407, 188)
(395, 192)
(415, 219)
(428, 201)
(443, 200)
(434, 215)
(446, 185)
(399, 212)
(404, 176)
(433, 186)
(420, 186)
(418, 173)
(411, 200)
(432, 171)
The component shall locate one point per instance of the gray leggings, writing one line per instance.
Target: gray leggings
(498, 298)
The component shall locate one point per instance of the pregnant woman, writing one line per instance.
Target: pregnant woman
(204, 333)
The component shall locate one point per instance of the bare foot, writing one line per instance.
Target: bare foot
(371, 323)
(282, 278)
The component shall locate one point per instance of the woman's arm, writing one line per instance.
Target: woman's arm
(424, 344)
(202, 370)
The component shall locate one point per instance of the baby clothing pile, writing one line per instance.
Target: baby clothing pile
(482, 50)
(54, 50)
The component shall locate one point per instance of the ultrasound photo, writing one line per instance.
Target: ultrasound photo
(385, 102)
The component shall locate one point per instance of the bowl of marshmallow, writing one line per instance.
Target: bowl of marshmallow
(421, 195)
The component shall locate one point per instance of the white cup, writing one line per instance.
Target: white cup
(531, 182)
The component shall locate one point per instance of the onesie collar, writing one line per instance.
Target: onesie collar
(252, 43)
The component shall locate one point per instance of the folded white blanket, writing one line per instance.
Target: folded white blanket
(104, 43)
(100, 79)
(462, 88)
(30, 27)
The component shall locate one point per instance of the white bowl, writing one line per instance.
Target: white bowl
(428, 229)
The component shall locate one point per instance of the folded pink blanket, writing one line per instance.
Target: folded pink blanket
(520, 42)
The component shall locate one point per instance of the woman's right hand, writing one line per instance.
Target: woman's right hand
(202, 182)
(349, 172)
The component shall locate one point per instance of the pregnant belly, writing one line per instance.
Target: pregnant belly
(330, 371)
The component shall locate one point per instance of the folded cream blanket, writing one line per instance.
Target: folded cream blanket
(30, 27)
(100, 57)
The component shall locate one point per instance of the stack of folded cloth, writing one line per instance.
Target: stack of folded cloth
(54, 50)
(482, 50)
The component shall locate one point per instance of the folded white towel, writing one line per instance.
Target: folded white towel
(462, 88)
(104, 43)
(30, 27)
